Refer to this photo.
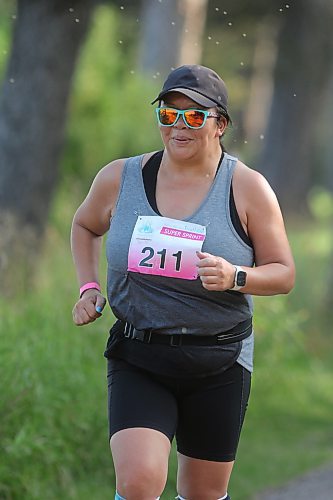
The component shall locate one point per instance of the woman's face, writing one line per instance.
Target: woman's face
(183, 142)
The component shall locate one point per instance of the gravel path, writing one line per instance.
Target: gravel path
(316, 485)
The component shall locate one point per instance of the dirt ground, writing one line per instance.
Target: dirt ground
(316, 485)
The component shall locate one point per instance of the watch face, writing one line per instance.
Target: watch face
(241, 278)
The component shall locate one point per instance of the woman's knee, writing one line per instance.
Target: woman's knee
(146, 482)
(140, 459)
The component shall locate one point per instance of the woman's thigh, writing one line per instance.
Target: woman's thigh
(136, 398)
(209, 426)
(211, 414)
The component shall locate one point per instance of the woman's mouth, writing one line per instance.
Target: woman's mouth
(181, 139)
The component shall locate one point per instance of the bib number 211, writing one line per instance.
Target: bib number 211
(150, 254)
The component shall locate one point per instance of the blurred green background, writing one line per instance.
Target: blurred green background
(77, 81)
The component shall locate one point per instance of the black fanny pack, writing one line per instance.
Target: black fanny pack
(195, 355)
(149, 336)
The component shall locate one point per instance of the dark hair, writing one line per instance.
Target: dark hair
(223, 114)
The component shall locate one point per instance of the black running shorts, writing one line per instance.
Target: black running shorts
(205, 414)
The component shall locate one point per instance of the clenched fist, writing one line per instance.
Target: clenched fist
(89, 307)
(216, 273)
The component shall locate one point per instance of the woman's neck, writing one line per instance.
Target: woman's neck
(203, 165)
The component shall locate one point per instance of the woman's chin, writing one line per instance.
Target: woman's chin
(181, 149)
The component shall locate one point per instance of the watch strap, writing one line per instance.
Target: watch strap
(236, 286)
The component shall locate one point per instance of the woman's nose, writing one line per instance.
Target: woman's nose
(180, 122)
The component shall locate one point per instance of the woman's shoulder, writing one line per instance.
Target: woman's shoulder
(252, 190)
(113, 170)
(248, 178)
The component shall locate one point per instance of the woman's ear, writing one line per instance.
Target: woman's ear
(222, 125)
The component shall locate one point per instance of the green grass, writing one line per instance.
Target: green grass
(53, 415)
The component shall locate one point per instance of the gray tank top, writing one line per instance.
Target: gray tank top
(173, 305)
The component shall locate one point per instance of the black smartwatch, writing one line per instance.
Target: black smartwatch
(240, 278)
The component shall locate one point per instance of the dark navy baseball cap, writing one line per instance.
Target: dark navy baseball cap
(201, 84)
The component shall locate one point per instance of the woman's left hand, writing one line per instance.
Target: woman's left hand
(215, 273)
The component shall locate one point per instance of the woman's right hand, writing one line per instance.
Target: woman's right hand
(89, 307)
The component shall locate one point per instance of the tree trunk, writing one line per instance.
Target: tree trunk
(302, 73)
(33, 103)
(194, 12)
(171, 35)
(261, 82)
(172, 32)
(326, 138)
(161, 26)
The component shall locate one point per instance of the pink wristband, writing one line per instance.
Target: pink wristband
(88, 286)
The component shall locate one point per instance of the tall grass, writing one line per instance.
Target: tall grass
(52, 390)
(53, 417)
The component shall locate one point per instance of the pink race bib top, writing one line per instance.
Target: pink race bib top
(165, 247)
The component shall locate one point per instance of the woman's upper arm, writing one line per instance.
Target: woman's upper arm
(96, 210)
(264, 219)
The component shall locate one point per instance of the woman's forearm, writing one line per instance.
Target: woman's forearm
(269, 279)
(86, 248)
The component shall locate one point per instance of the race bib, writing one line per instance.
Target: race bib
(165, 247)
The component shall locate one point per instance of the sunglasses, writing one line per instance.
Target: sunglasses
(193, 118)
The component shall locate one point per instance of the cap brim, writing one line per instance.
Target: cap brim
(193, 95)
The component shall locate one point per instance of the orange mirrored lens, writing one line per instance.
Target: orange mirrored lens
(168, 116)
(194, 118)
